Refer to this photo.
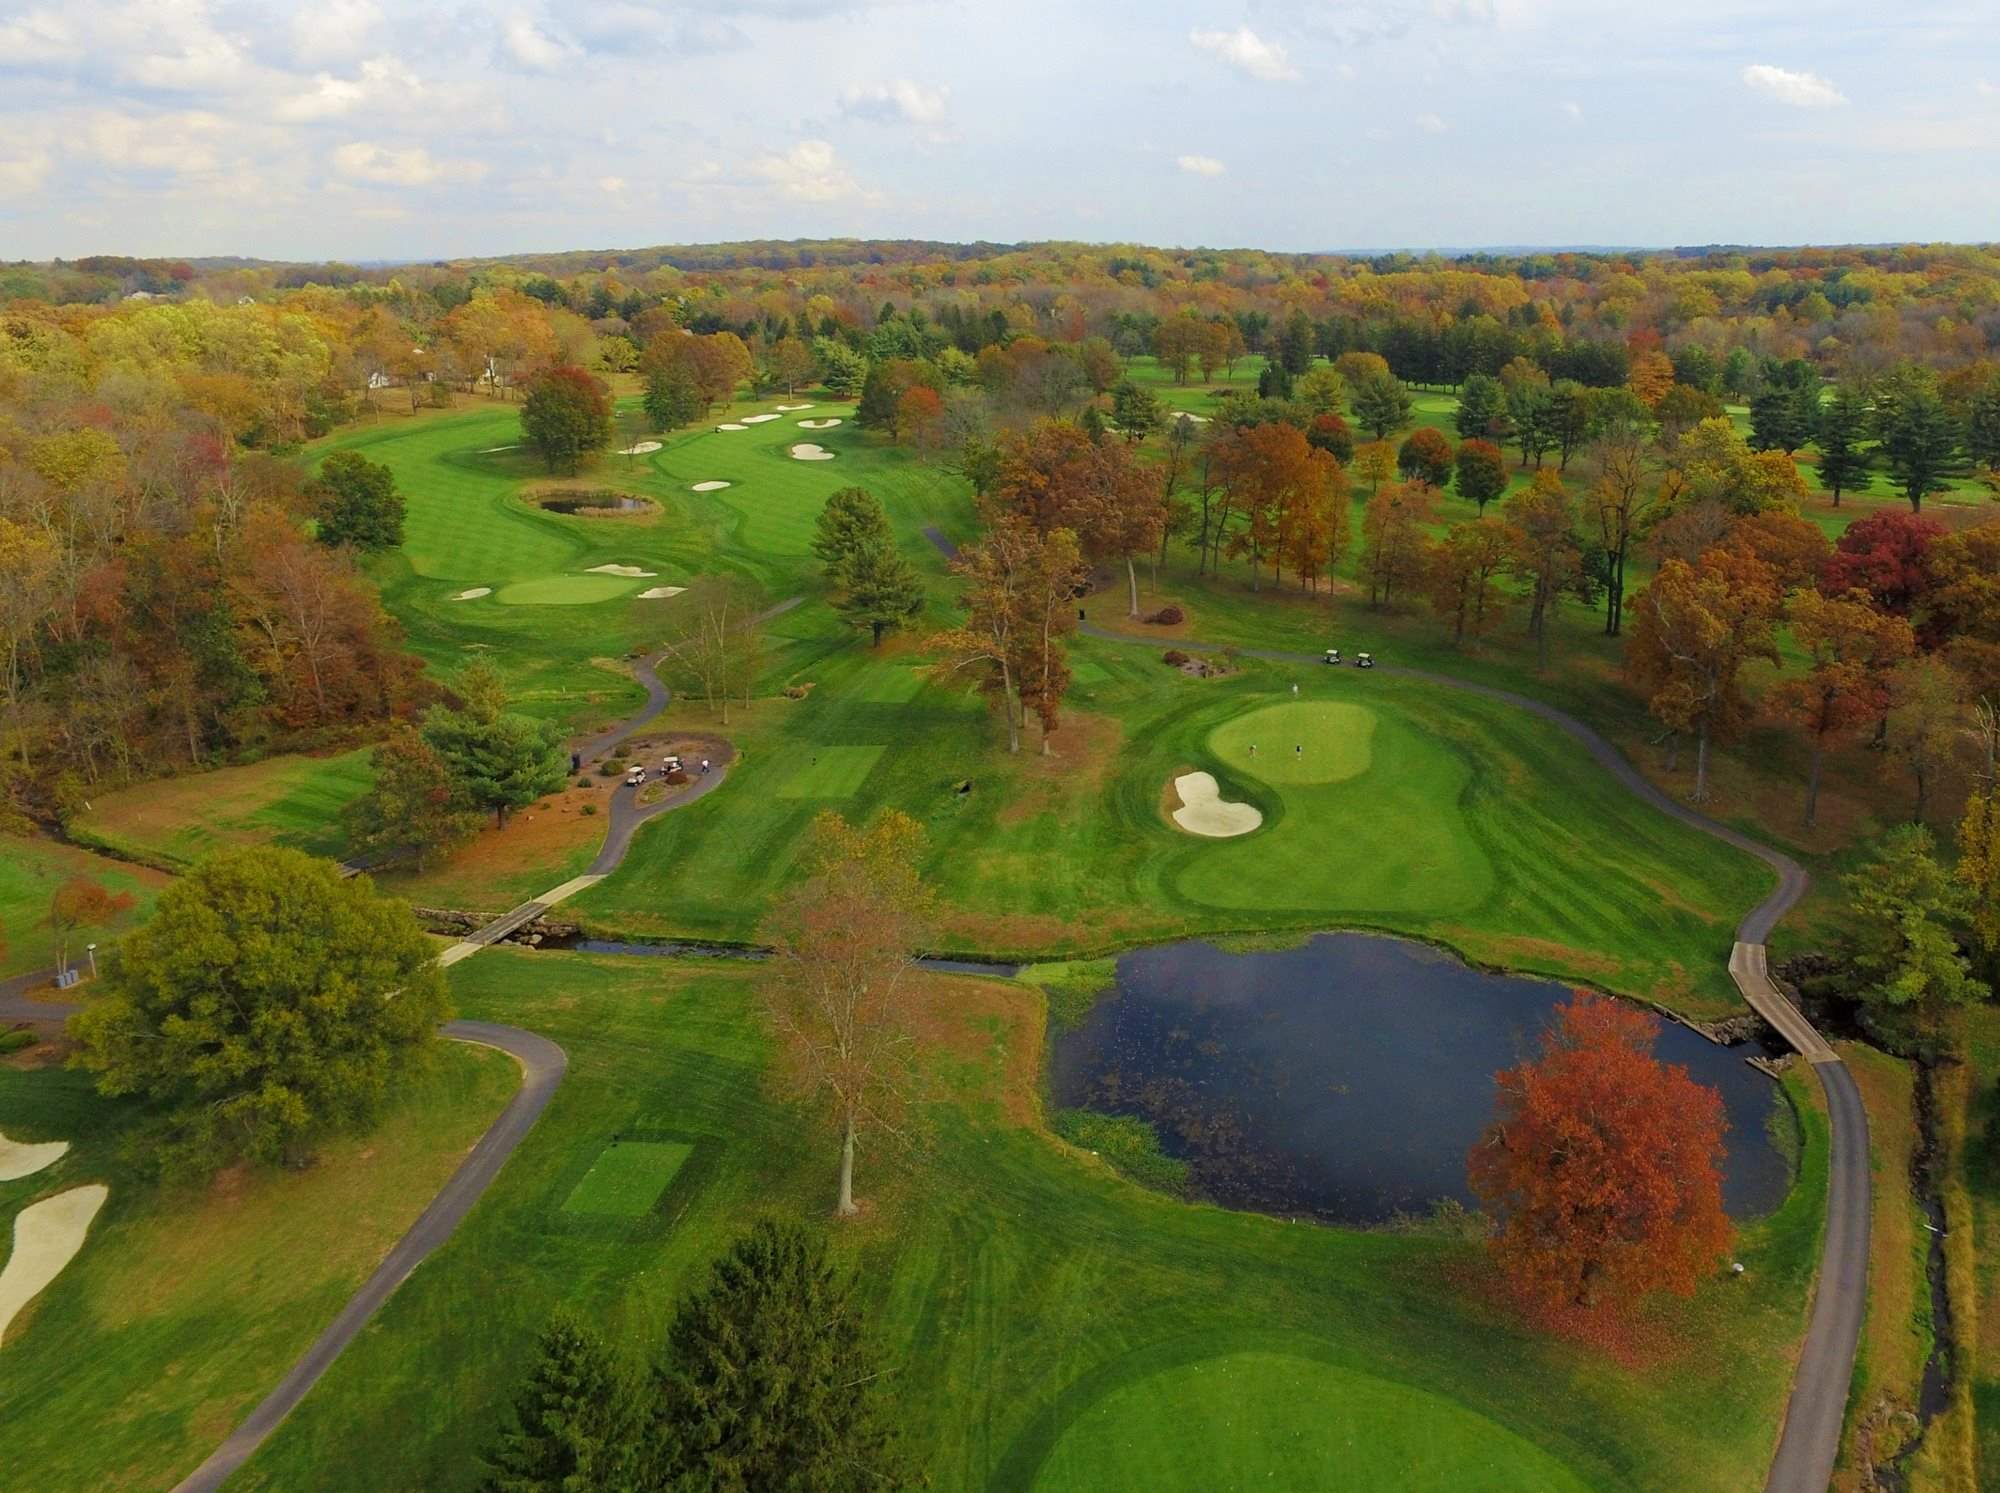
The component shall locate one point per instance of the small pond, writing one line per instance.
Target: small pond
(592, 504)
(1347, 1078)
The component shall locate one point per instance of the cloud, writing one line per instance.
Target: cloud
(183, 144)
(897, 102)
(1430, 124)
(1201, 165)
(406, 166)
(612, 185)
(382, 79)
(1570, 109)
(1245, 50)
(808, 172)
(328, 30)
(38, 36)
(530, 46)
(23, 174)
(1987, 89)
(1800, 90)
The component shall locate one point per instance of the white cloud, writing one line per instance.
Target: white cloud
(1800, 90)
(23, 174)
(899, 101)
(1987, 89)
(1570, 109)
(1347, 72)
(1246, 50)
(531, 46)
(1430, 124)
(405, 166)
(328, 30)
(1201, 165)
(382, 79)
(38, 36)
(184, 144)
(613, 185)
(808, 172)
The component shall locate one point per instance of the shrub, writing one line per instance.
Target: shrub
(1174, 658)
(609, 770)
(589, 809)
(1128, 1143)
(1168, 617)
(17, 1039)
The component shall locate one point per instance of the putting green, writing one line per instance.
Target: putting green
(829, 771)
(1338, 741)
(1274, 1420)
(627, 1178)
(563, 590)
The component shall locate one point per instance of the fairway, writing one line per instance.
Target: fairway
(1262, 1419)
(831, 772)
(627, 1178)
(1299, 741)
(891, 686)
(30, 872)
(563, 590)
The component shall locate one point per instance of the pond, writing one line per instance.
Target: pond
(1347, 1078)
(593, 504)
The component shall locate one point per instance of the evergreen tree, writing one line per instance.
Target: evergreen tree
(356, 502)
(415, 806)
(498, 759)
(767, 1385)
(1982, 426)
(1134, 410)
(1295, 344)
(1921, 441)
(576, 1421)
(880, 589)
(851, 519)
(1382, 404)
(1843, 465)
(1274, 382)
(1482, 407)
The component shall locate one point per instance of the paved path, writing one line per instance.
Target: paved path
(1810, 1441)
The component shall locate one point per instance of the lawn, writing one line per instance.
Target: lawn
(30, 872)
(185, 1307)
(291, 800)
(1040, 1316)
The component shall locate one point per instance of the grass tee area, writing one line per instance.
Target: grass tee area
(1050, 1326)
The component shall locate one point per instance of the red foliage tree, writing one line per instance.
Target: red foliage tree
(1602, 1171)
(1425, 456)
(1883, 555)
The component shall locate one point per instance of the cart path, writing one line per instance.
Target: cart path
(1810, 1441)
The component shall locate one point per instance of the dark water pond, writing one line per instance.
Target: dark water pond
(588, 503)
(1347, 1078)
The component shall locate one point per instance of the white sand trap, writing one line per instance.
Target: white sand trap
(757, 419)
(731, 425)
(47, 1236)
(660, 593)
(474, 594)
(1203, 811)
(624, 570)
(708, 487)
(791, 408)
(807, 451)
(20, 1159)
(489, 450)
(827, 424)
(1186, 415)
(640, 448)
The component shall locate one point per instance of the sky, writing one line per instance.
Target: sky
(357, 129)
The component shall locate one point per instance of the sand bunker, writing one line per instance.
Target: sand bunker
(1185, 415)
(474, 594)
(708, 487)
(47, 1236)
(20, 1159)
(731, 425)
(818, 424)
(807, 451)
(639, 448)
(661, 593)
(489, 450)
(757, 419)
(625, 570)
(790, 408)
(1203, 811)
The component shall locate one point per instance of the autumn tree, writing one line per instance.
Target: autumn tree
(1461, 572)
(1382, 404)
(671, 399)
(565, 417)
(1900, 934)
(1291, 495)
(495, 758)
(791, 363)
(79, 903)
(1056, 477)
(266, 1005)
(1393, 538)
(1925, 723)
(919, 416)
(714, 639)
(1695, 627)
(839, 990)
(1884, 554)
(768, 1381)
(356, 503)
(1547, 555)
(1619, 501)
(1602, 1171)
(415, 806)
(1961, 603)
(1425, 456)
(1978, 868)
(29, 589)
(1481, 471)
(1375, 463)
(1852, 649)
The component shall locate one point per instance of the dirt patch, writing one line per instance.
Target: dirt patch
(989, 1031)
(1081, 755)
(543, 836)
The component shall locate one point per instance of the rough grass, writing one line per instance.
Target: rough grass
(185, 1307)
(30, 872)
(1014, 1284)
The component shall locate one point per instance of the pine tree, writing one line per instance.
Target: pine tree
(880, 589)
(1843, 465)
(767, 1385)
(498, 759)
(1482, 407)
(851, 519)
(576, 1421)
(1921, 440)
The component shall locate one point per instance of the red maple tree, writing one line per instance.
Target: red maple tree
(1602, 1172)
(1884, 555)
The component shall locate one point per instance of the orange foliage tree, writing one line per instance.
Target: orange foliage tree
(1602, 1172)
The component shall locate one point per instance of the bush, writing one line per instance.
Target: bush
(589, 809)
(1168, 617)
(17, 1039)
(609, 770)
(1128, 1143)
(1174, 658)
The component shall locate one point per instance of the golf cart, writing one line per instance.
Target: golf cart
(1364, 660)
(635, 777)
(1333, 655)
